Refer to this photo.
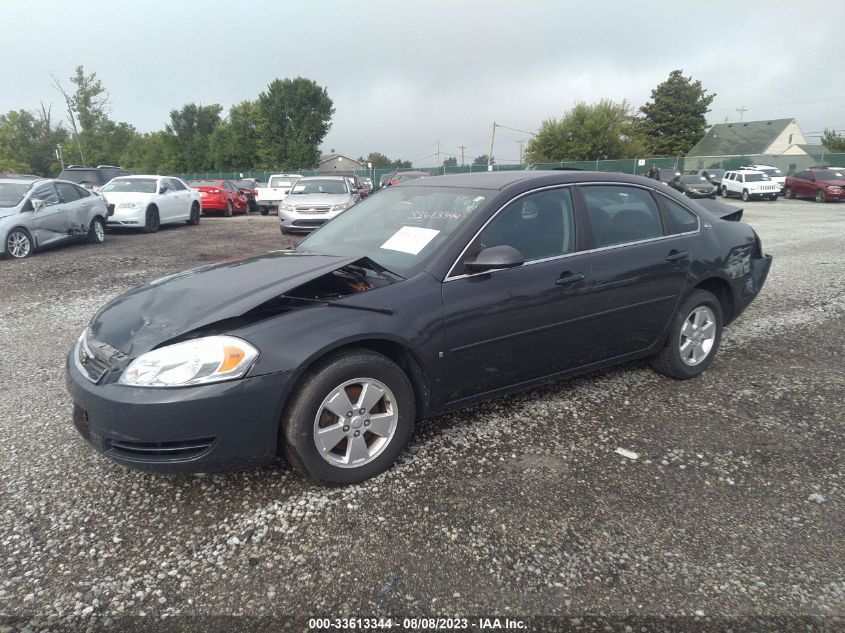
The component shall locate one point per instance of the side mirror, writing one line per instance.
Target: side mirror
(37, 204)
(163, 189)
(496, 258)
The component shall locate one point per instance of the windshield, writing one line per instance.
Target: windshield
(756, 177)
(830, 174)
(772, 172)
(131, 185)
(204, 183)
(11, 193)
(398, 228)
(716, 173)
(696, 180)
(246, 184)
(667, 174)
(80, 176)
(319, 186)
(282, 182)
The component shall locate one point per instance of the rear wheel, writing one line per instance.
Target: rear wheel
(350, 418)
(97, 231)
(228, 212)
(264, 210)
(195, 215)
(694, 337)
(788, 193)
(19, 244)
(820, 197)
(151, 221)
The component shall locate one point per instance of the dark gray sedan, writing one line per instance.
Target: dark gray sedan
(424, 298)
(693, 186)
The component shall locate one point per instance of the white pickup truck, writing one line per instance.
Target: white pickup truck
(749, 184)
(278, 186)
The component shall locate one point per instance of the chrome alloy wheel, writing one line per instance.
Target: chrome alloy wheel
(697, 336)
(100, 231)
(18, 244)
(355, 422)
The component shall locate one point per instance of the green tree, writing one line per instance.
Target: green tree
(450, 162)
(482, 160)
(28, 142)
(294, 116)
(674, 120)
(151, 153)
(191, 128)
(378, 160)
(233, 142)
(603, 130)
(833, 141)
(400, 163)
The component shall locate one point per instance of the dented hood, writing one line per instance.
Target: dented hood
(154, 313)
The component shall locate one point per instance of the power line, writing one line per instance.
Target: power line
(513, 129)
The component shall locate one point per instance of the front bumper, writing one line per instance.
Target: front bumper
(701, 194)
(296, 221)
(224, 426)
(126, 217)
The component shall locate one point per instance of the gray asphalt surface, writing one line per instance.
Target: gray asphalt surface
(516, 507)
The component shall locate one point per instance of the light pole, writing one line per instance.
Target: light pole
(60, 156)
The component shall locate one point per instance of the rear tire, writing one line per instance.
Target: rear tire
(264, 210)
(97, 231)
(359, 378)
(694, 336)
(228, 212)
(151, 220)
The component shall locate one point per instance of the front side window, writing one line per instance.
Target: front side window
(620, 214)
(176, 184)
(538, 225)
(46, 193)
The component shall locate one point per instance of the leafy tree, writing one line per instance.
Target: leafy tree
(400, 163)
(675, 120)
(191, 129)
(233, 142)
(450, 162)
(833, 141)
(151, 153)
(294, 116)
(482, 160)
(378, 160)
(28, 142)
(603, 130)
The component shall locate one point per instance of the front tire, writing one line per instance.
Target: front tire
(724, 192)
(350, 418)
(195, 215)
(745, 196)
(788, 193)
(19, 244)
(97, 231)
(228, 212)
(694, 337)
(820, 197)
(151, 221)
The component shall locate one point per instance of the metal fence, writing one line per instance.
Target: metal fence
(787, 164)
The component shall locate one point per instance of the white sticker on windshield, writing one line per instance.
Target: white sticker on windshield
(410, 239)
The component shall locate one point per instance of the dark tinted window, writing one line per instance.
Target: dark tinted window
(67, 191)
(684, 219)
(83, 193)
(620, 214)
(47, 193)
(176, 184)
(89, 176)
(538, 225)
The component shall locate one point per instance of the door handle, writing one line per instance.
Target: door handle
(568, 278)
(675, 256)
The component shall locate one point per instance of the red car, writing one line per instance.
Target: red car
(249, 187)
(822, 184)
(221, 195)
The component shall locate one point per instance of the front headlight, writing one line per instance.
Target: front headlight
(287, 208)
(341, 207)
(196, 362)
(129, 205)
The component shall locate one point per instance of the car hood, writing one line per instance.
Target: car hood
(7, 211)
(304, 199)
(154, 313)
(117, 197)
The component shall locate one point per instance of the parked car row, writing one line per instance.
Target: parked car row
(819, 183)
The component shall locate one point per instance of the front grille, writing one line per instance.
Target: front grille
(308, 222)
(159, 451)
(312, 209)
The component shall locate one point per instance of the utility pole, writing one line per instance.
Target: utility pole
(490, 155)
(741, 111)
(462, 148)
(438, 154)
(520, 151)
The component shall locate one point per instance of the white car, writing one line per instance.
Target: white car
(749, 184)
(147, 202)
(270, 197)
(775, 174)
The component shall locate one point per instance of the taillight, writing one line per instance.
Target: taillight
(215, 191)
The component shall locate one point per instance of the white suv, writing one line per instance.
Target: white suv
(772, 172)
(749, 184)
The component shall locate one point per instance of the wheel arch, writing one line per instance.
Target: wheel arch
(723, 292)
(23, 228)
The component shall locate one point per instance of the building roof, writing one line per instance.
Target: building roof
(327, 157)
(814, 149)
(739, 138)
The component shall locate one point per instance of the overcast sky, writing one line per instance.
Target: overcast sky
(404, 74)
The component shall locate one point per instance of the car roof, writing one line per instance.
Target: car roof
(140, 176)
(324, 178)
(24, 180)
(496, 180)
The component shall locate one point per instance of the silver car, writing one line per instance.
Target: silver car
(35, 212)
(314, 201)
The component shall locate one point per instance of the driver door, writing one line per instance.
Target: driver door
(505, 327)
(50, 223)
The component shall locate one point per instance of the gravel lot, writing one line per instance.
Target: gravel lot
(518, 507)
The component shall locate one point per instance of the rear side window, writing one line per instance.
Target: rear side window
(620, 214)
(67, 191)
(685, 221)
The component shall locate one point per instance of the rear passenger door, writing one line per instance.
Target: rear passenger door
(181, 199)
(76, 205)
(639, 269)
